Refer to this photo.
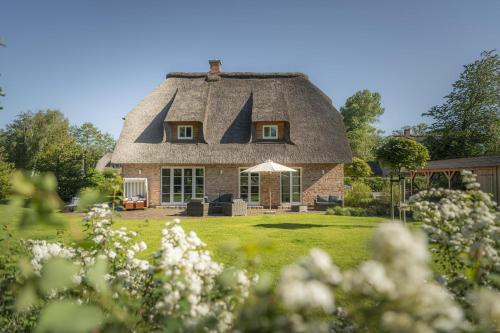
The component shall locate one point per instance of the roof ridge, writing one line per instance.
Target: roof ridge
(239, 75)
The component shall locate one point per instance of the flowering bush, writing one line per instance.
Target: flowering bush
(464, 226)
(182, 289)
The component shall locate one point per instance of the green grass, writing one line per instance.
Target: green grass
(277, 239)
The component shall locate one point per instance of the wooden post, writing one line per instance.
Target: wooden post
(449, 176)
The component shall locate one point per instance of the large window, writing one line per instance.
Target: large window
(270, 131)
(185, 132)
(249, 187)
(179, 185)
(291, 187)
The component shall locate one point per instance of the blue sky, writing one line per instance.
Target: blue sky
(95, 60)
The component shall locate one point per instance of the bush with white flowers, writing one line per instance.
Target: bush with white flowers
(464, 228)
(182, 289)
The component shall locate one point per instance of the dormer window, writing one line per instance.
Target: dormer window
(185, 132)
(270, 132)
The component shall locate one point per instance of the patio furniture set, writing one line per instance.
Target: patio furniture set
(226, 205)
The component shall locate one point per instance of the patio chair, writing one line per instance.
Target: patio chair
(197, 207)
(217, 201)
(71, 207)
(238, 207)
(323, 202)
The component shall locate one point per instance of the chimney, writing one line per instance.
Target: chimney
(215, 66)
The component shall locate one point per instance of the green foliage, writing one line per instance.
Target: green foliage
(376, 183)
(44, 142)
(417, 130)
(69, 316)
(6, 170)
(358, 168)
(360, 195)
(109, 184)
(397, 153)
(468, 123)
(347, 211)
(92, 143)
(39, 193)
(360, 112)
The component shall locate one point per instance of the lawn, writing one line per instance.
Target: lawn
(278, 239)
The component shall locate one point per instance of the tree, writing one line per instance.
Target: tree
(360, 111)
(93, 144)
(63, 159)
(6, 170)
(109, 185)
(30, 134)
(397, 153)
(358, 168)
(468, 123)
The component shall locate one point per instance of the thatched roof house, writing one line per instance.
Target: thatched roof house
(231, 120)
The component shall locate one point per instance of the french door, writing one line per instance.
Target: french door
(179, 185)
(250, 187)
(291, 187)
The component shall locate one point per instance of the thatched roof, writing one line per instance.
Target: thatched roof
(226, 105)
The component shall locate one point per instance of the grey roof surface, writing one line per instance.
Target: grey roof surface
(227, 107)
(467, 162)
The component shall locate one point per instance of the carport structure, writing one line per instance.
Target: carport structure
(486, 168)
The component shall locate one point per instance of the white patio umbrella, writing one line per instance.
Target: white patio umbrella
(269, 167)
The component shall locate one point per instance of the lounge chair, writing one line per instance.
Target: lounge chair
(323, 202)
(238, 207)
(197, 207)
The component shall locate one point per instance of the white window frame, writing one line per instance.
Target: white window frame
(270, 127)
(254, 203)
(291, 182)
(171, 187)
(184, 127)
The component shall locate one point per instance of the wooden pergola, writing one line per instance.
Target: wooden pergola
(486, 168)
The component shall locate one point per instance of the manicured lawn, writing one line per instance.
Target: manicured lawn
(278, 239)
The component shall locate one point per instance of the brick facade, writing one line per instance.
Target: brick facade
(316, 179)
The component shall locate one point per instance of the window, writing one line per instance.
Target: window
(290, 187)
(249, 187)
(270, 132)
(185, 132)
(179, 185)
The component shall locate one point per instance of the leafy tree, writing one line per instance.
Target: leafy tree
(397, 153)
(109, 185)
(468, 123)
(6, 170)
(358, 168)
(62, 158)
(360, 111)
(93, 144)
(30, 134)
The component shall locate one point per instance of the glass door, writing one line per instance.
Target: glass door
(179, 185)
(250, 187)
(291, 187)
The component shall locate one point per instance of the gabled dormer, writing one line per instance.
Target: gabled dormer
(270, 121)
(184, 120)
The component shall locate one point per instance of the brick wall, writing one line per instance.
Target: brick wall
(314, 182)
(149, 171)
(316, 179)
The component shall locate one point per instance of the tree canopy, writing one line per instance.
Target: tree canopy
(397, 153)
(44, 141)
(360, 111)
(358, 168)
(468, 122)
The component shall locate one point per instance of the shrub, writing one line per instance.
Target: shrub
(358, 168)
(347, 211)
(360, 195)
(376, 183)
